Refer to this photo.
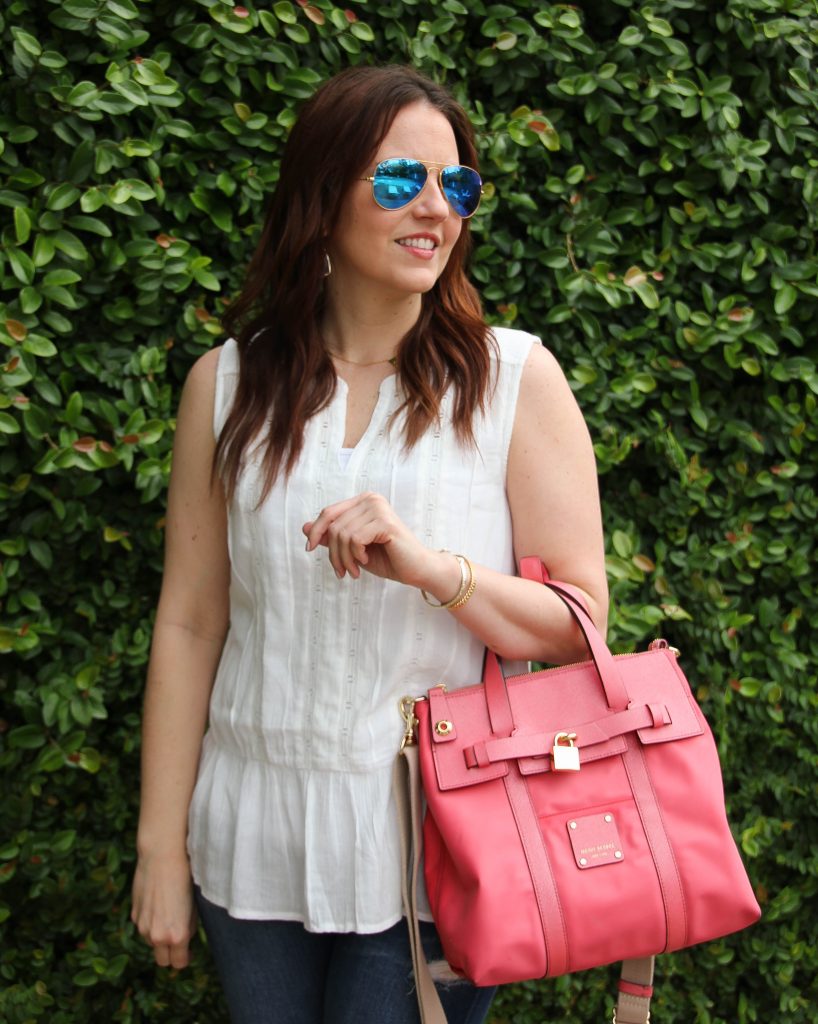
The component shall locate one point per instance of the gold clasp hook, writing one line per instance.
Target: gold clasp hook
(407, 710)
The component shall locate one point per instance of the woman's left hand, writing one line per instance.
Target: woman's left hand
(365, 532)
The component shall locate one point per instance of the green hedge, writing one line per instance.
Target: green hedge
(651, 213)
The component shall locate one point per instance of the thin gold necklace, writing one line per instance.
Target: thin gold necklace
(378, 362)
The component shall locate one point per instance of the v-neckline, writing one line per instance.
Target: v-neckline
(386, 390)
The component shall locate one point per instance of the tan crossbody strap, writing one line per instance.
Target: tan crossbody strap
(636, 981)
(408, 798)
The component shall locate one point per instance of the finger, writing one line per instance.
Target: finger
(161, 955)
(179, 955)
(316, 530)
(348, 538)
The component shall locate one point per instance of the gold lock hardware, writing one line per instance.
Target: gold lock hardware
(443, 727)
(565, 755)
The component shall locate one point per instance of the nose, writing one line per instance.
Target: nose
(431, 203)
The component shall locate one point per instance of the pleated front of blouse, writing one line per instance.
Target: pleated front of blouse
(292, 817)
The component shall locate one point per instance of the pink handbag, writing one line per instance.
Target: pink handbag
(575, 817)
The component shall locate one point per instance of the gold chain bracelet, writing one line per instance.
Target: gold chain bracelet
(468, 582)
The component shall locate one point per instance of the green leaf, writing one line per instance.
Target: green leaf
(630, 36)
(82, 94)
(133, 92)
(150, 72)
(52, 60)
(11, 198)
(63, 296)
(30, 300)
(123, 8)
(362, 31)
(26, 177)
(37, 345)
(92, 199)
(62, 196)
(647, 293)
(44, 250)
(64, 841)
(129, 188)
(298, 33)
(22, 224)
(22, 133)
(27, 42)
(84, 9)
(285, 12)
(70, 245)
(36, 421)
(92, 224)
(622, 544)
(90, 760)
(41, 553)
(8, 424)
(207, 279)
(136, 147)
(26, 737)
(660, 26)
(22, 266)
(785, 299)
(86, 977)
(61, 276)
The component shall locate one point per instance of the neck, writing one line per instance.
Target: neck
(368, 331)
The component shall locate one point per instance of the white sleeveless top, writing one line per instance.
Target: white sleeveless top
(292, 816)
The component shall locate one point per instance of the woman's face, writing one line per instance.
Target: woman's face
(372, 247)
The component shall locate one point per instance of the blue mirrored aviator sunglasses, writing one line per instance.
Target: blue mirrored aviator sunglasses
(399, 181)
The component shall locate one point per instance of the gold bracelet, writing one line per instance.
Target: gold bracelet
(464, 584)
(469, 590)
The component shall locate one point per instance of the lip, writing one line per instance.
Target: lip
(423, 254)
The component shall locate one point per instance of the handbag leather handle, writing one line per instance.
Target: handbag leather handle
(497, 699)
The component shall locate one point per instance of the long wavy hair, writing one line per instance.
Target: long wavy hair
(286, 375)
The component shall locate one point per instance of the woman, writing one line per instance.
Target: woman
(363, 407)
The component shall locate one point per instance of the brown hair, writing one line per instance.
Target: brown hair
(286, 375)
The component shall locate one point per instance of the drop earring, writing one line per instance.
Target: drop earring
(327, 265)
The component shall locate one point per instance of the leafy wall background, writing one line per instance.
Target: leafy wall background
(653, 174)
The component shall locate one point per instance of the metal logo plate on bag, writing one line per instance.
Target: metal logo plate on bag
(595, 840)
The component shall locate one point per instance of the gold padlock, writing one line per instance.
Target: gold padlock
(564, 753)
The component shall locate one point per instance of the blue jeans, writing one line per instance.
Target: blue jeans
(276, 972)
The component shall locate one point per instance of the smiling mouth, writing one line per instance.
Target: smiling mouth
(418, 243)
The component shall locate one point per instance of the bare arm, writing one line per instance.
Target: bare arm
(191, 624)
(554, 500)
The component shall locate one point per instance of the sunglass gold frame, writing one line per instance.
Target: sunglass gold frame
(430, 165)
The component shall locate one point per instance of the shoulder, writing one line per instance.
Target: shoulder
(202, 384)
(513, 346)
(546, 399)
(536, 368)
(206, 367)
(218, 362)
(542, 372)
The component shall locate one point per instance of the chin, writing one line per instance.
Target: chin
(420, 282)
